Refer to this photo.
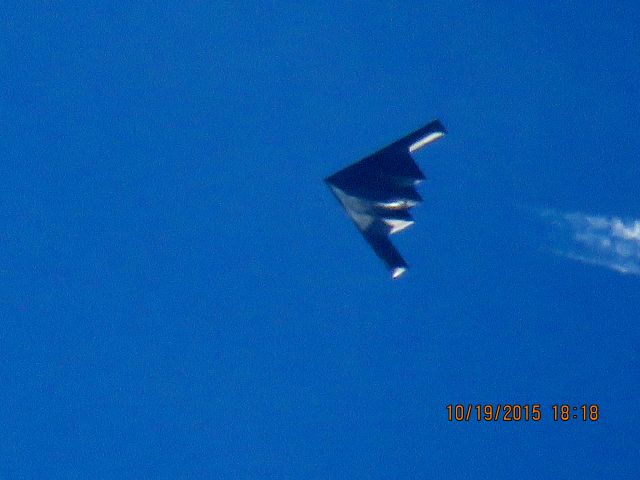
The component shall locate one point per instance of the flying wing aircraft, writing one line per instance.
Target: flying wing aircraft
(378, 191)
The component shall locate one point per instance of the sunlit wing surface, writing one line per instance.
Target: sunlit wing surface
(378, 191)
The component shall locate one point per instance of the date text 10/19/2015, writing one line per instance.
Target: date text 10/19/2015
(513, 412)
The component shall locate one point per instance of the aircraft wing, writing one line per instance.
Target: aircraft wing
(378, 237)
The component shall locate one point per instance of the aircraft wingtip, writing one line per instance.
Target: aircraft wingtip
(397, 272)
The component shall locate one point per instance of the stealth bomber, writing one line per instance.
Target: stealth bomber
(378, 192)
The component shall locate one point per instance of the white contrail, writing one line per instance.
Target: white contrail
(598, 240)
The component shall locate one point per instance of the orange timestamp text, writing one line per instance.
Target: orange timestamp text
(515, 412)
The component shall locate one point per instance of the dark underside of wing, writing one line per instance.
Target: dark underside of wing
(378, 238)
(385, 167)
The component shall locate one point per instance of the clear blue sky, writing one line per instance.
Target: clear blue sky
(182, 297)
